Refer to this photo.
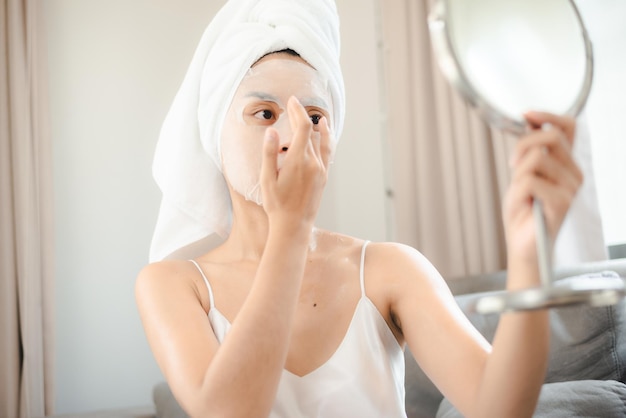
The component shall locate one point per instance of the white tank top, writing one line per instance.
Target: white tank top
(363, 378)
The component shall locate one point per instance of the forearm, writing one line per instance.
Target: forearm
(245, 371)
(544, 170)
(243, 376)
(515, 369)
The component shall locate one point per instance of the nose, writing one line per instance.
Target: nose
(284, 133)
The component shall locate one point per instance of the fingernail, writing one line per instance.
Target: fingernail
(546, 126)
(533, 114)
(270, 134)
(325, 121)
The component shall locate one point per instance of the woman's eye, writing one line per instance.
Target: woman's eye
(264, 114)
(315, 119)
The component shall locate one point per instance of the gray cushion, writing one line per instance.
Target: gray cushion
(165, 403)
(577, 399)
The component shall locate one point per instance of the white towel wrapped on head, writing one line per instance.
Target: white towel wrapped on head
(187, 162)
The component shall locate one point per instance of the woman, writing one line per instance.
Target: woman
(283, 319)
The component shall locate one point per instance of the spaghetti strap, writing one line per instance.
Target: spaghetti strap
(362, 265)
(211, 300)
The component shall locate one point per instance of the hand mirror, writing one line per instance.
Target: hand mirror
(507, 57)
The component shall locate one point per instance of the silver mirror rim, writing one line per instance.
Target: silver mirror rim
(451, 67)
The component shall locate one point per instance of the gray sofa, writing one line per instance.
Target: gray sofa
(586, 371)
(587, 365)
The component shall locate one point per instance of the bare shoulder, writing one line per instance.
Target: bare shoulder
(386, 262)
(161, 274)
(161, 281)
(400, 263)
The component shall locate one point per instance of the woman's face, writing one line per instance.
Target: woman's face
(260, 102)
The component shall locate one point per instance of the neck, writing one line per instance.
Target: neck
(250, 229)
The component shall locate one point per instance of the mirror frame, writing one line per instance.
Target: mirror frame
(441, 40)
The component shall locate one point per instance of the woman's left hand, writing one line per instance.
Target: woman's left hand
(544, 169)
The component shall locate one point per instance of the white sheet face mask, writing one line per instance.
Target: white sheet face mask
(260, 102)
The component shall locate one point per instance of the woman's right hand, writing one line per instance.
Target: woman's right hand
(293, 193)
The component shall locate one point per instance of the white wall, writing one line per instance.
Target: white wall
(114, 67)
(606, 108)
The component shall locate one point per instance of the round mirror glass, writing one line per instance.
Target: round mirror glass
(508, 57)
(511, 56)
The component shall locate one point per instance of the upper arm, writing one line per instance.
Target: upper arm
(442, 340)
(176, 326)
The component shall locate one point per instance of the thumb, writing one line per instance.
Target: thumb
(270, 156)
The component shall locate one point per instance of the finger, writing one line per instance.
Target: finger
(566, 123)
(547, 153)
(325, 144)
(551, 140)
(269, 164)
(555, 200)
(557, 156)
(555, 171)
(316, 141)
(301, 126)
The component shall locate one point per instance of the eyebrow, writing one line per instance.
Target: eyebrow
(308, 101)
(262, 96)
(314, 101)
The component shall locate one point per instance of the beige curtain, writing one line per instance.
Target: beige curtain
(449, 171)
(25, 217)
